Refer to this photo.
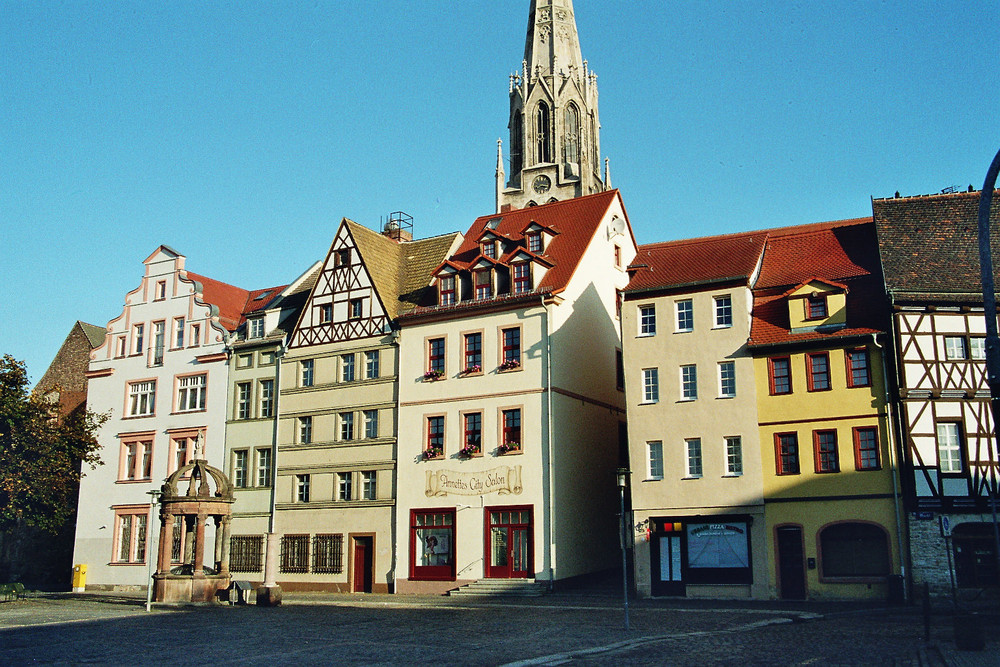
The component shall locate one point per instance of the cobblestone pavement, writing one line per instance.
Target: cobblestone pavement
(553, 630)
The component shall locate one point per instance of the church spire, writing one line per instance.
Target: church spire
(554, 124)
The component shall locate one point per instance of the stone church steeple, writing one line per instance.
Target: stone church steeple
(555, 144)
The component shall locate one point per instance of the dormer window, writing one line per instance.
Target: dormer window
(255, 328)
(535, 242)
(522, 277)
(816, 307)
(447, 294)
(490, 249)
(484, 284)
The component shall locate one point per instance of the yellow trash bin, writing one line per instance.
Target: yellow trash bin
(79, 578)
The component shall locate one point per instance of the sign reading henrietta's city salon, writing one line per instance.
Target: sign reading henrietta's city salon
(504, 480)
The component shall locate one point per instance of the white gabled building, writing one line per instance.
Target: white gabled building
(161, 374)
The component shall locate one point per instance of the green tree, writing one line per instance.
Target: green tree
(41, 453)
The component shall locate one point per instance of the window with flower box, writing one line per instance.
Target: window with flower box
(510, 437)
(522, 277)
(446, 287)
(825, 450)
(866, 454)
(432, 544)
(786, 449)
(472, 434)
(473, 352)
(510, 342)
(435, 359)
(435, 437)
(818, 371)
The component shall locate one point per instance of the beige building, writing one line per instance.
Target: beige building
(697, 494)
(509, 414)
(335, 495)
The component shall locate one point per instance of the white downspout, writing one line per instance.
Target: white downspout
(550, 525)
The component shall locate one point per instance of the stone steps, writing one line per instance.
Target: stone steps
(502, 588)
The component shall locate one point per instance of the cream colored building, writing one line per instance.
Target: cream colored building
(335, 493)
(509, 414)
(696, 488)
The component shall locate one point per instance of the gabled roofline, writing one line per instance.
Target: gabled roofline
(816, 279)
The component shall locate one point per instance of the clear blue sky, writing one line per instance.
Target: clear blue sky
(240, 133)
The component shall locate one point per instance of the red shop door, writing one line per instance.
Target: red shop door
(509, 543)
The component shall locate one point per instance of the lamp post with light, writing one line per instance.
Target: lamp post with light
(623, 474)
(154, 496)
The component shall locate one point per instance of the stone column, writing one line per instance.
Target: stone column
(199, 547)
(269, 595)
(189, 540)
(217, 551)
(166, 544)
(224, 557)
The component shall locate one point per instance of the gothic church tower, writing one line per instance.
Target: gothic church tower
(555, 142)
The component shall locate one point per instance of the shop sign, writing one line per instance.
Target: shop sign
(503, 480)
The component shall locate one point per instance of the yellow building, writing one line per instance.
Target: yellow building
(831, 498)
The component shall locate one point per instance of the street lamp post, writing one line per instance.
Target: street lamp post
(154, 495)
(623, 474)
(992, 340)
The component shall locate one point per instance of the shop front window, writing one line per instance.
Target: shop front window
(432, 543)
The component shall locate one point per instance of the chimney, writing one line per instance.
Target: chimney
(399, 227)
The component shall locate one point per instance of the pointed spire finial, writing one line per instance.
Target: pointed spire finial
(607, 173)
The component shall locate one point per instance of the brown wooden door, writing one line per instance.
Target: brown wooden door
(363, 564)
(791, 563)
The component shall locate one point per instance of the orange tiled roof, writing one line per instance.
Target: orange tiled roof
(576, 219)
(690, 262)
(844, 252)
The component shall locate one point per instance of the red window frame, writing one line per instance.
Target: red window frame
(435, 354)
(866, 448)
(473, 350)
(447, 291)
(534, 241)
(490, 249)
(816, 307)
(826, 457)
(786, 453)
(818, 380)
(522, 277)
(779, 375)
(484, 283)
(432, 572)
(860, 355)
(511, 344)
(472, 431)
(512, 426)
(435, 433)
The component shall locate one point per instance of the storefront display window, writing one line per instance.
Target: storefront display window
(432, 543)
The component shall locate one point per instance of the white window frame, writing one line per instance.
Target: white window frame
(727, 379)
(345, 486)
(650, 385)
(263, 466)
(142, 398)
(694, 463)
(654, 459)
(949, 447)
(647, 320)
(371, 424)
(191, 391)
(372, 364)
(684, 310)
(723, 311)
(955, 348)
(689, 382)
(369, 485)
(348, 368)
(734, 456)
(977, 348)
(307, 374)
(255, 327)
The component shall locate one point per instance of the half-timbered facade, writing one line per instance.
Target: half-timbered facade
(818, 338)
(337, 427)
(929, 249)
(161, 374)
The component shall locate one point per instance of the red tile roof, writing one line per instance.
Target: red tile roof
(843, 252)
(229, 299)
(577, 220)
(259, 299)
(690, 262)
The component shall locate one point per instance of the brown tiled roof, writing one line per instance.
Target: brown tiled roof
(576, 219)
(418, 259)
(930, 245)
(95, 335)
(229, 299)
(690, 262)
(843, 252)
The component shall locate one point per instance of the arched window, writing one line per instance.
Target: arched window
(854, 550)
(543, 133)
(571, 145)
(516, 145)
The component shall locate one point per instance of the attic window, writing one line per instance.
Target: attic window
(816, 307)
(343, 257)
(484, 284)
(263, 295)
(492, 224)
(534, 241)
(447, 286)
(255, 327)
(490, 249)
